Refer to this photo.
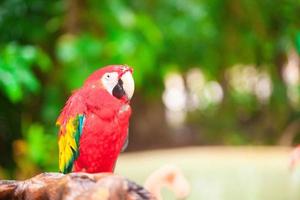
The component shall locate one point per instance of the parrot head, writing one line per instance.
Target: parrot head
(115, 79)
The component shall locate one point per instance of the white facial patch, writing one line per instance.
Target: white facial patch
(110, 80)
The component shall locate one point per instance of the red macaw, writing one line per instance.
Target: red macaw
(93, 125)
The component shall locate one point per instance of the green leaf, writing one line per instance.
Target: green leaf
(297, 42)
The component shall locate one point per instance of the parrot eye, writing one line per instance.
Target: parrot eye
(108, 76)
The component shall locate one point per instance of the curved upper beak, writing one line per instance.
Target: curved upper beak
(125, 86)
(127, 82)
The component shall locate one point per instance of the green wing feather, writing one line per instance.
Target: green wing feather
(68, 142)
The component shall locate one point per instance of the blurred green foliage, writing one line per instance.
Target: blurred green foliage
(16, 70)
(49, 47)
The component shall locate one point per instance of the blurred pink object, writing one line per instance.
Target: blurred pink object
(169, 176)
(294, 158)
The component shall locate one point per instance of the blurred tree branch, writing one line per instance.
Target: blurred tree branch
(80, 186)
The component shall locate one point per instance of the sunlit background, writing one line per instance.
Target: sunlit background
(207, 73)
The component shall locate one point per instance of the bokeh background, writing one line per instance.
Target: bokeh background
(207, 73)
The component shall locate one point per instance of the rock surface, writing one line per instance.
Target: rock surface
(77, 186)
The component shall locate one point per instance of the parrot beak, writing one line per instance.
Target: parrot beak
(125, 86)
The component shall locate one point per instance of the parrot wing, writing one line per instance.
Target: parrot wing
(70, 122)
(125, 145)
(125, 110)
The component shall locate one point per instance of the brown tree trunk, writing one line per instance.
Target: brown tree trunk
(73, 16)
